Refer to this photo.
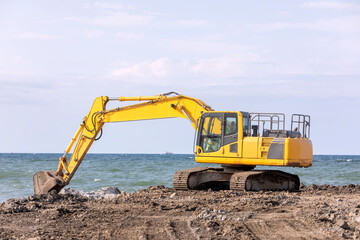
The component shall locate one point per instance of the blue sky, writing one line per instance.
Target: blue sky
(263, 56)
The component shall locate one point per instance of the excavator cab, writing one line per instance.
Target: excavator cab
(217, 130)
(250, 139)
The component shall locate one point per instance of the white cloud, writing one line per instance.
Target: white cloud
(161, 67)
(205, 47)
(120, 19)
(350, 46)
(346, 24)
(154, 71)
(337, 5)
(93, 33)
(192, 23)
(227, 66)
(129, 36)
(164, 70)
(40, 36)
(16, 59)
(114, 5)
(321, 66)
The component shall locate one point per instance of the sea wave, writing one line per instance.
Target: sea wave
(347, 160)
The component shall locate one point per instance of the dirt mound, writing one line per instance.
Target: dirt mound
(316, 212)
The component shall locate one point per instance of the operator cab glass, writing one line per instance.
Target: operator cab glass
(230, 125)
(211, 134)
(246, 124)
(217, 130)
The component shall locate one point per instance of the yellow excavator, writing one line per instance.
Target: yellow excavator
(237, 140)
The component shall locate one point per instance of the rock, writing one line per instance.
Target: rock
(222, 211)
(357, 219)
(191, 209)
(334, 229)
(326, 218)
(105, 192)
(344, 225)
(173, 195)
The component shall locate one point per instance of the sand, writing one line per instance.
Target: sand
(315, 212)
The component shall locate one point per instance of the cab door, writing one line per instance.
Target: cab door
(218, 137)
(210, 137)
(231, 135)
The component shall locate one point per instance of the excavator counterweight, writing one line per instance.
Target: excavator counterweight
(237, 140)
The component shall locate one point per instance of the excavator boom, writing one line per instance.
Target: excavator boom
(151, 107)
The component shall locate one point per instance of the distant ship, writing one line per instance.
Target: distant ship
(169, 153)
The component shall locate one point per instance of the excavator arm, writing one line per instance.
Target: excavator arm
(151, 107)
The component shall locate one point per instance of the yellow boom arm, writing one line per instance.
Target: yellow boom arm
(154, 107)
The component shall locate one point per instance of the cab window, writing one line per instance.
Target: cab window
(246, 126)
(211, 134)
(230, 125)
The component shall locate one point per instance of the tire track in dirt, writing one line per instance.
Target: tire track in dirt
(283, 229)
(179, 230)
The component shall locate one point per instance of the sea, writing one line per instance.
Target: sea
(131, 172)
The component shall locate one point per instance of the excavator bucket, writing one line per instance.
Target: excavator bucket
(47, 181)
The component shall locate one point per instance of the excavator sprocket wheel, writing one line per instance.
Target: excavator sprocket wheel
(47, 181)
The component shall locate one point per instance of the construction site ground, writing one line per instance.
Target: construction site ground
(315, 212)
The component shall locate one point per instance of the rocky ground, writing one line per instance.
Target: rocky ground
(316, 212)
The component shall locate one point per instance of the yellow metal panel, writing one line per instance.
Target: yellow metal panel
(250, 147)
(239, 161)
(229, 154)
(298, 152)
(264, 144)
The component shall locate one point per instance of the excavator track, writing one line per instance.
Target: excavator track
(269, 180)
(181, 178)
(206, 177)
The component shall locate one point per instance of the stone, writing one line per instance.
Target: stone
(222, 211)
(344, 225)
(105, 192)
